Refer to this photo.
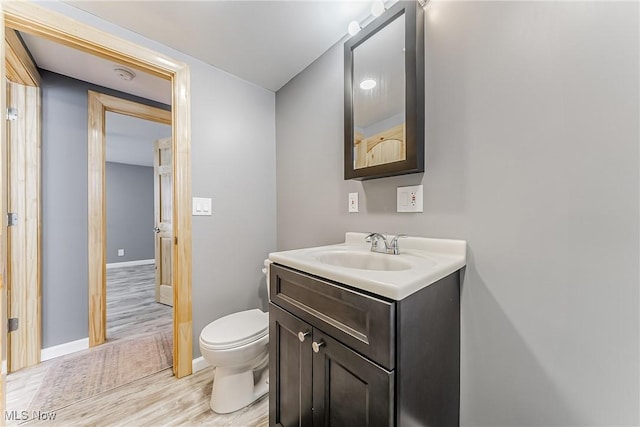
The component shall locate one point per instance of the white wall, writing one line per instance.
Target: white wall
(233, 153)
(532, 130)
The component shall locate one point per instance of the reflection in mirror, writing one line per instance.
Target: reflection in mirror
(379, 97)
(384, 95)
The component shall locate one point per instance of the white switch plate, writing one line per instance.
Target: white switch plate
(353, 202)
(410, 199)
(120, 252)
(201, 206)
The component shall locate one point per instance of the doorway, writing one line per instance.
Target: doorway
(30, 18)
(135, 209)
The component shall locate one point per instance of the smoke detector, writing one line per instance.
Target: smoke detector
(124, 73)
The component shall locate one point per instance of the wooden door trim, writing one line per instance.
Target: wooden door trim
(99, 104)
(34, 19)
(20, 67)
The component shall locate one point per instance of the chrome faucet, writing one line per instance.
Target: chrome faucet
(387, 247)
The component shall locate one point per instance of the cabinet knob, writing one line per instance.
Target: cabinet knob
(316, 346)
(301, 335)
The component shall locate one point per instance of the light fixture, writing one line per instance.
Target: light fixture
(354, 28)
(377, 8)
(368, 84)
(124, 73)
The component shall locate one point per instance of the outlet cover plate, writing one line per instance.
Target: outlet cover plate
(410, 199)
(353, 202)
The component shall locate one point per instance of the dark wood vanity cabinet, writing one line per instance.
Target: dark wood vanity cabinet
(289, 370)
(333, 386)
(340, 357)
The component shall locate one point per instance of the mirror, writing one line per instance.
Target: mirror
(384, 95)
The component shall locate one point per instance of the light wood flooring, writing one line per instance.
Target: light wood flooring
(131, 305)
(158, 399)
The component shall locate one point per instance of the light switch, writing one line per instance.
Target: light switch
(201, 206)
(353, 202)
(120, 252)
(410, 199)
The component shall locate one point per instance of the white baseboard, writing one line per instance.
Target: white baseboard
(64, 349)
(198, 364)
(131, 263)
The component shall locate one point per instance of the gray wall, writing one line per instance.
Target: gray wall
(64, 212)
(130, 218)
(64, 206)
(532, 157)
(233, 147)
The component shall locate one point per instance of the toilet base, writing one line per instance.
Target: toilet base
(233, 390)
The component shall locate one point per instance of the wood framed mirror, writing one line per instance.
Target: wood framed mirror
(384, 95)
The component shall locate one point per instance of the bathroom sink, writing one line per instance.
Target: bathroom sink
(363, 260)
(421, 262)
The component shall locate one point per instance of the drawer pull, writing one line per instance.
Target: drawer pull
(301, 335)
(316, 346)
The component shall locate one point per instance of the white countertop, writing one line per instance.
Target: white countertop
(427, 261)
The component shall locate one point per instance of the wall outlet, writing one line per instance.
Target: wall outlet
(410, 199)
(120, 252)
(201, 206)
(353, 202)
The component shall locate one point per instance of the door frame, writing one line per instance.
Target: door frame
(39, 21)
(99, 105)
(21, 69)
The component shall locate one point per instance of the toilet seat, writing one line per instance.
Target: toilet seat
(235, 330)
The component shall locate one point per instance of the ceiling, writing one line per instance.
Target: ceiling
(263, 42)
(380, 58)
(89, 68)
(130, 140)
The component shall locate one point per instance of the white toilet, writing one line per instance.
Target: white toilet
(237, 346)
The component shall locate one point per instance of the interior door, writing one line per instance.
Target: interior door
(24, 297)
(163, 214)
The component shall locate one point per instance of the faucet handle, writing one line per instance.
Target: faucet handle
(393, 245)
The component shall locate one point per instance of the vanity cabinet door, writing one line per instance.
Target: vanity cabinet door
(348, 389)
(290, 364)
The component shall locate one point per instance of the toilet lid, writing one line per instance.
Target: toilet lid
(236, 329)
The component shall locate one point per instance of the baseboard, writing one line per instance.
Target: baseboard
(198, 364)
(64, 349)
(131, 263)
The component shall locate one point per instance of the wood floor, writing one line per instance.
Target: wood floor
(158, 399)
(131, 305)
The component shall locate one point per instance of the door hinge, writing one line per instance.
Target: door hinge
(12, 219)
(12, 114)
(13, 324)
